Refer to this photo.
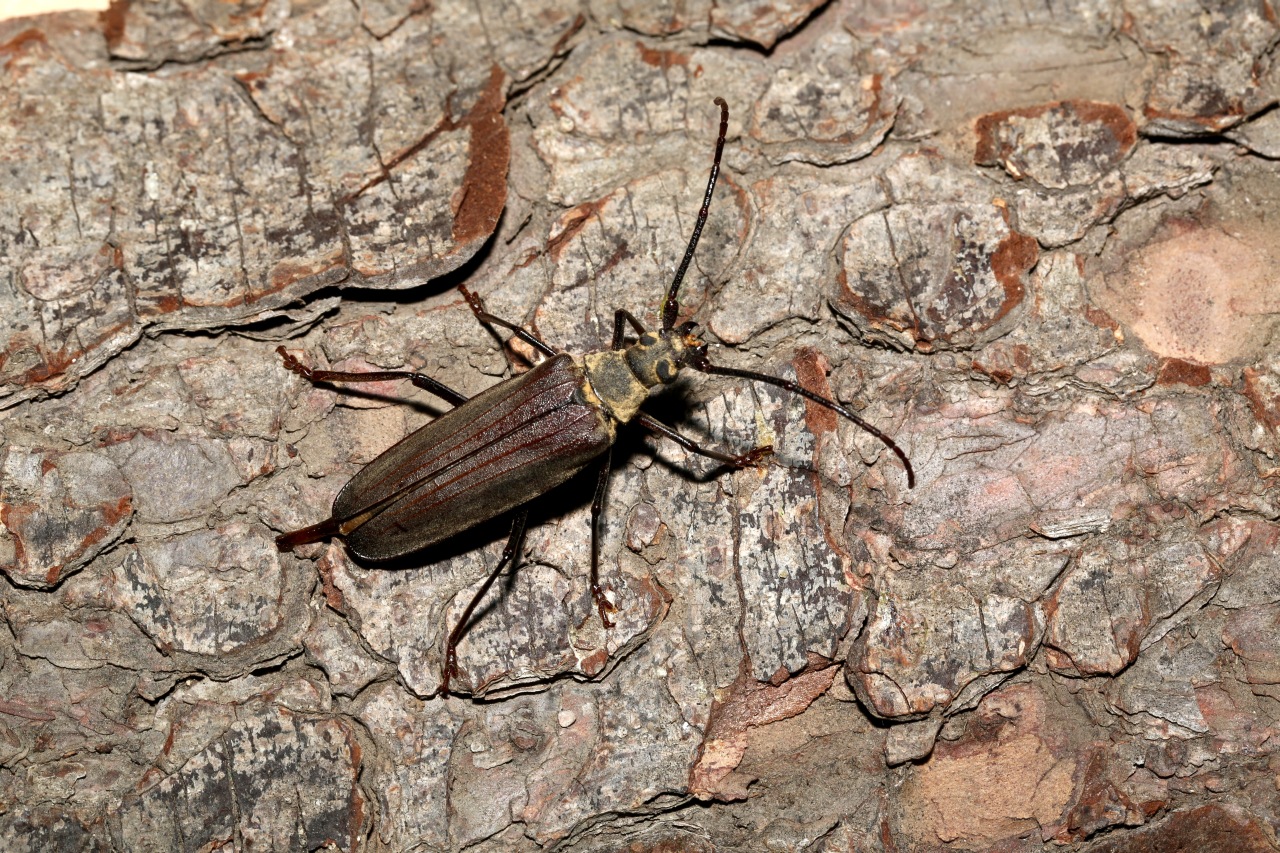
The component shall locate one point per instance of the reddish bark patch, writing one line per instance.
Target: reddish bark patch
(593, 664)
(1100, 318)
(811, 372)
(1263, 392)
(939, 275)
(483, 194)
(21, 40)
(1009, 773)
(1176, 371)
(1199, 104)
(749, 704)
(327, 567)
(1200, 293)
(291, 270)
(1213, 827)
(113, 21)
(1058, 144)
(572, 224)
(660, 58)
(1003, 362)
(1013, 259)
(1100, 805)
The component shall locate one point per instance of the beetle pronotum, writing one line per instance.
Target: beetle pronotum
(495, 452)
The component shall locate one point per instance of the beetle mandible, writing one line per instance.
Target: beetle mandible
(495, 452)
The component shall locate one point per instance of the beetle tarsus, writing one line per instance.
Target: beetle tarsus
(491, 320)
(598, 591)
(758, 458)
(450, 671)
(509, 556)
(293, 364)
(473, 300)
(606, 607)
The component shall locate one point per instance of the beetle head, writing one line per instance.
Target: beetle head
(656, 358)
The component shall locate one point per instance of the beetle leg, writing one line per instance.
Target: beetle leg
(702, 364)
(509, 553)
(421, 380)
(751, 458)
(603, 604)
(619, 335)
(477, 308)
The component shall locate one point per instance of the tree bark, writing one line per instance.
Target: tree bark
(1033, 244)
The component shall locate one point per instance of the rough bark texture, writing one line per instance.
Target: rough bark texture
(1035, 242)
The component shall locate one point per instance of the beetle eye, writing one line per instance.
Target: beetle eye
(648, 339)
(665, 369)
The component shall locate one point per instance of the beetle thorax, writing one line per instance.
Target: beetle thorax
(621, 379)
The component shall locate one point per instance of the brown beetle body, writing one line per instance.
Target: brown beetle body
(497, 452)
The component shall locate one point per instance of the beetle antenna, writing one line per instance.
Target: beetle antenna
(704, 365)
(671, 307)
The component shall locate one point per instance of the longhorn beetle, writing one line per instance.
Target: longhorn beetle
(497, 451)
